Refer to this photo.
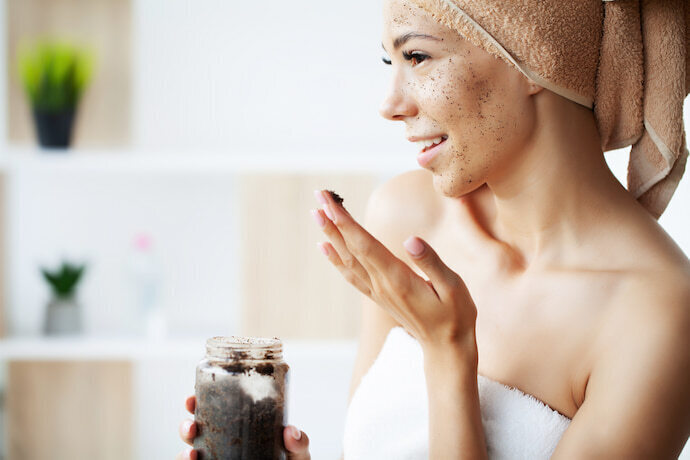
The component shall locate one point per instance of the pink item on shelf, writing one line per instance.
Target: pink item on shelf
(143, 241)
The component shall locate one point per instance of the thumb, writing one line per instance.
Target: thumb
(296, 443)
(441, 276)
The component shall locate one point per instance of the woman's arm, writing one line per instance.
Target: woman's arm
(455, 424)
(438, 312)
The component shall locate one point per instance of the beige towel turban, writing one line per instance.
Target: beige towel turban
(624, 59)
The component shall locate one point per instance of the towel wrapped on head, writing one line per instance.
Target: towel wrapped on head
(624, 59)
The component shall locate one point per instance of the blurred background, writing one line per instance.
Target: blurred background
(178, 209)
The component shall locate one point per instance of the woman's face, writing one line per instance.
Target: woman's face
(445, 87)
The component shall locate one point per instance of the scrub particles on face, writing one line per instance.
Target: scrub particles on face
(459, 89)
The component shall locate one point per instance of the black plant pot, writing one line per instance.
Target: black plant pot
(54, 129)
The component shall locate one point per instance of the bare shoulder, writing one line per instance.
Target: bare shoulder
(653, 270)
(638, 383)
(647, 301)
(660, 293)
(406, 203)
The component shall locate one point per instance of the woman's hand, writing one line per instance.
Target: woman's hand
(296, 441)
(438, 312)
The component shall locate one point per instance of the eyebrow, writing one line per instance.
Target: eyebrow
(401, 40)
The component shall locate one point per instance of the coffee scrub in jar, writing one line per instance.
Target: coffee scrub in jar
(241, 387)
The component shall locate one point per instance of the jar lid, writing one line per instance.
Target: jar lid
(244, 348)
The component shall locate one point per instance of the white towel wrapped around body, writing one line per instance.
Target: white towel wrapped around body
(388, 415)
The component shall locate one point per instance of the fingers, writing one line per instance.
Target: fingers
(296, 443)
(188, 431)
(373, 255)
(348, 274)
(386, 274)
(190, 404)
(347, 259)
(187, 454)
(443, 279)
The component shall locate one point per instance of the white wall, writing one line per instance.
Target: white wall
(236, 76)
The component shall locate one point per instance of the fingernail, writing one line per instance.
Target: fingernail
(328, 212)
(187, 425)
(323, 248)
(413, 246)
(297, 434)
(318, 218)
(188, 452)
(319, 197)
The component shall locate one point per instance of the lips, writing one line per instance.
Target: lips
(429, 152)
(428, 142)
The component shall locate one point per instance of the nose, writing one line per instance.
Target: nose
(398, 103)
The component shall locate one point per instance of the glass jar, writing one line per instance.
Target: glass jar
(240, 399)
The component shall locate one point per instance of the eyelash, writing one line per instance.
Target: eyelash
(419, 57)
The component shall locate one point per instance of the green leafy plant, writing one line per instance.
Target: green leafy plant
(54, 75)
(63, 281)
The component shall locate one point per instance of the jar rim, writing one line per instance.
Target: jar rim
(243, 342)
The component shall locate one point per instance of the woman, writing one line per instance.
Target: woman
(531, 266)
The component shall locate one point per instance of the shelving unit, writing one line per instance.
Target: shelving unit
(148, 51)
(65, 361)
(142, 161)
(94, 348)
(123, 369)
(135, 349)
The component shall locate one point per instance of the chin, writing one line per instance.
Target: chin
(454, 185)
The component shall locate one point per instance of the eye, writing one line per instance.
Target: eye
(386, 61)
(414, 57)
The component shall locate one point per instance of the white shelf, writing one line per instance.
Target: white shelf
(133, 161)
(86, 348)
(112, 349)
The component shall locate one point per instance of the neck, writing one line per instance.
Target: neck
(548, 199)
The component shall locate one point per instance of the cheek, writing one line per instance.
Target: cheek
(470, 101)
(463, 102)
(475, 110)
(464, 165)
(446, 90)
(478, 114)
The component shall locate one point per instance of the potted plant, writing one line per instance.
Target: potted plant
(63, 314)
(54, 76)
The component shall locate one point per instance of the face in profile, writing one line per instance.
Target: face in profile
(473, 106)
